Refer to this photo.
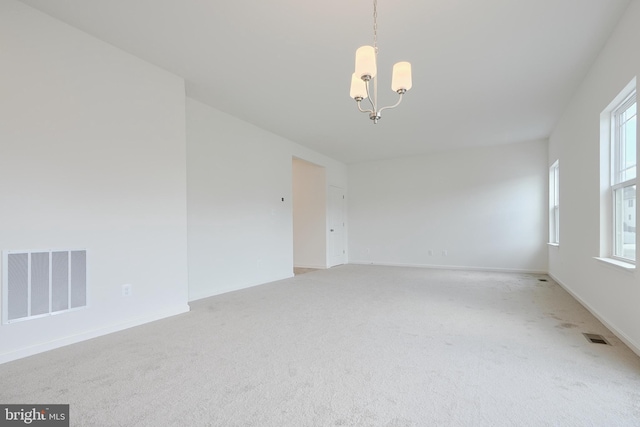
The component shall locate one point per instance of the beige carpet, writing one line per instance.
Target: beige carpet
(350, 346)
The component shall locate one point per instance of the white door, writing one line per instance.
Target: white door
(337, 252)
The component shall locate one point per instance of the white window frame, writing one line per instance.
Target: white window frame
(617, 181)
(607, 171)
(554, 203)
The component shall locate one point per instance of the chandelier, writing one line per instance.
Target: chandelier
(365, 75)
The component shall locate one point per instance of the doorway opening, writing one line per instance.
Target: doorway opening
(309, 215)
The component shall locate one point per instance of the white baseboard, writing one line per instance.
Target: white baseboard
(73, 339)
(452, 267)
(617, 332)
(234, 288)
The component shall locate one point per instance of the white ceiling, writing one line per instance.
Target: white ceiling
(485, 72)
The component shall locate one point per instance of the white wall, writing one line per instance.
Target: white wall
(610, 293)
(485, 206)
(309, 215)
(240, 230)
(92, 155)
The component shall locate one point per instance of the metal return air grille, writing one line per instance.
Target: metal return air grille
(596, 339)
(41, 283)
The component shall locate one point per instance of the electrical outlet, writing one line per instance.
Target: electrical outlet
(445, 252)
(126, 290)
(430, 252)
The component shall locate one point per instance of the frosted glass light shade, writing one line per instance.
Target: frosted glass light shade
(401, 76)
(358, 87)
(366, 61)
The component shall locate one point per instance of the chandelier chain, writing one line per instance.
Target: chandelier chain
(375, 25)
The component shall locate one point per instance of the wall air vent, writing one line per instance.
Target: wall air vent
(596, 339)
(41, 283)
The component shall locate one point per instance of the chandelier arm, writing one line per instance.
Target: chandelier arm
(372, 101)
(392, 106)
(360, 108)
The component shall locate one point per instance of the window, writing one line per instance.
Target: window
(554, 204)
(623, 178)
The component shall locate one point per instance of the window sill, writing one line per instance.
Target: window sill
(617, 264)
(555, 245)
